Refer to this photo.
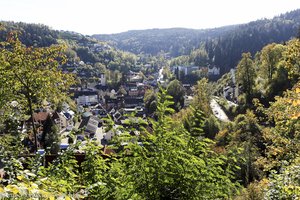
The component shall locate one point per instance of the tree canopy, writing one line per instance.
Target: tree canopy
(32, 75)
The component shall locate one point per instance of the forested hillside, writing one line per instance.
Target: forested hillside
(86, 56)
(224, 45)
(30, 34)
(226, 50)
(174, 41)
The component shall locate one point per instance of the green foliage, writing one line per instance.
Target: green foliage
(169, 157)
(195, 122)
(94, 169)
(34, 71)
(173, 163)
(177, 91)
(37, 35)
(10, 149)
(254, 191)
(272, 75)
(199, 57)
(211, 127)
(270, 56)
(202, 96)
(244, 139)
(292, 63)
(180, 60)
(245, 74)
(85, 55)
(32, 75)
(282, 138)
(285, 185)
(50, 138)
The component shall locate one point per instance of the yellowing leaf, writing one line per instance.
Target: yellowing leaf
(67, 198)
(34, 185)
(295, 116)
(296, 102)
(51, 198)
(297, 90)
(13, 188)
(20, 177)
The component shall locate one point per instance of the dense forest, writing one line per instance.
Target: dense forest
(175, 151)
(224, 45)
(174, 41)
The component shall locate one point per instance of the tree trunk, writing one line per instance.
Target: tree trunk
(32, 123)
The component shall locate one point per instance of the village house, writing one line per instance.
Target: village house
(60, 120)
(39, 119)
(138, 111)
(91, 124)
(63, 120)
(43, 121)
(99, 47)
(99, 110)
(133, 92)
(102, 79)
(115, 102)
(231, 93)
(135, 77)
(183, 70)
(132, 102)
(86, 97)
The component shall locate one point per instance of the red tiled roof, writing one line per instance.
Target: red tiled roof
(40, 116)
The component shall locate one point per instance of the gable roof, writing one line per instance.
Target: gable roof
(85, 93)
(40, 116)
(92, 124)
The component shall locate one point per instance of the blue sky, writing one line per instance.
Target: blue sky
(112, 16)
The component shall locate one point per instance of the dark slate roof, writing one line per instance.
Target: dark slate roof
(101, 87)
(84, 122)
(84, 93)
(68, 115)
(134, 100)
(91, 123)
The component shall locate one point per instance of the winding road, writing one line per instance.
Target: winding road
(218, 111)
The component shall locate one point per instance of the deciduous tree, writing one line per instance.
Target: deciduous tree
(32, 74)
